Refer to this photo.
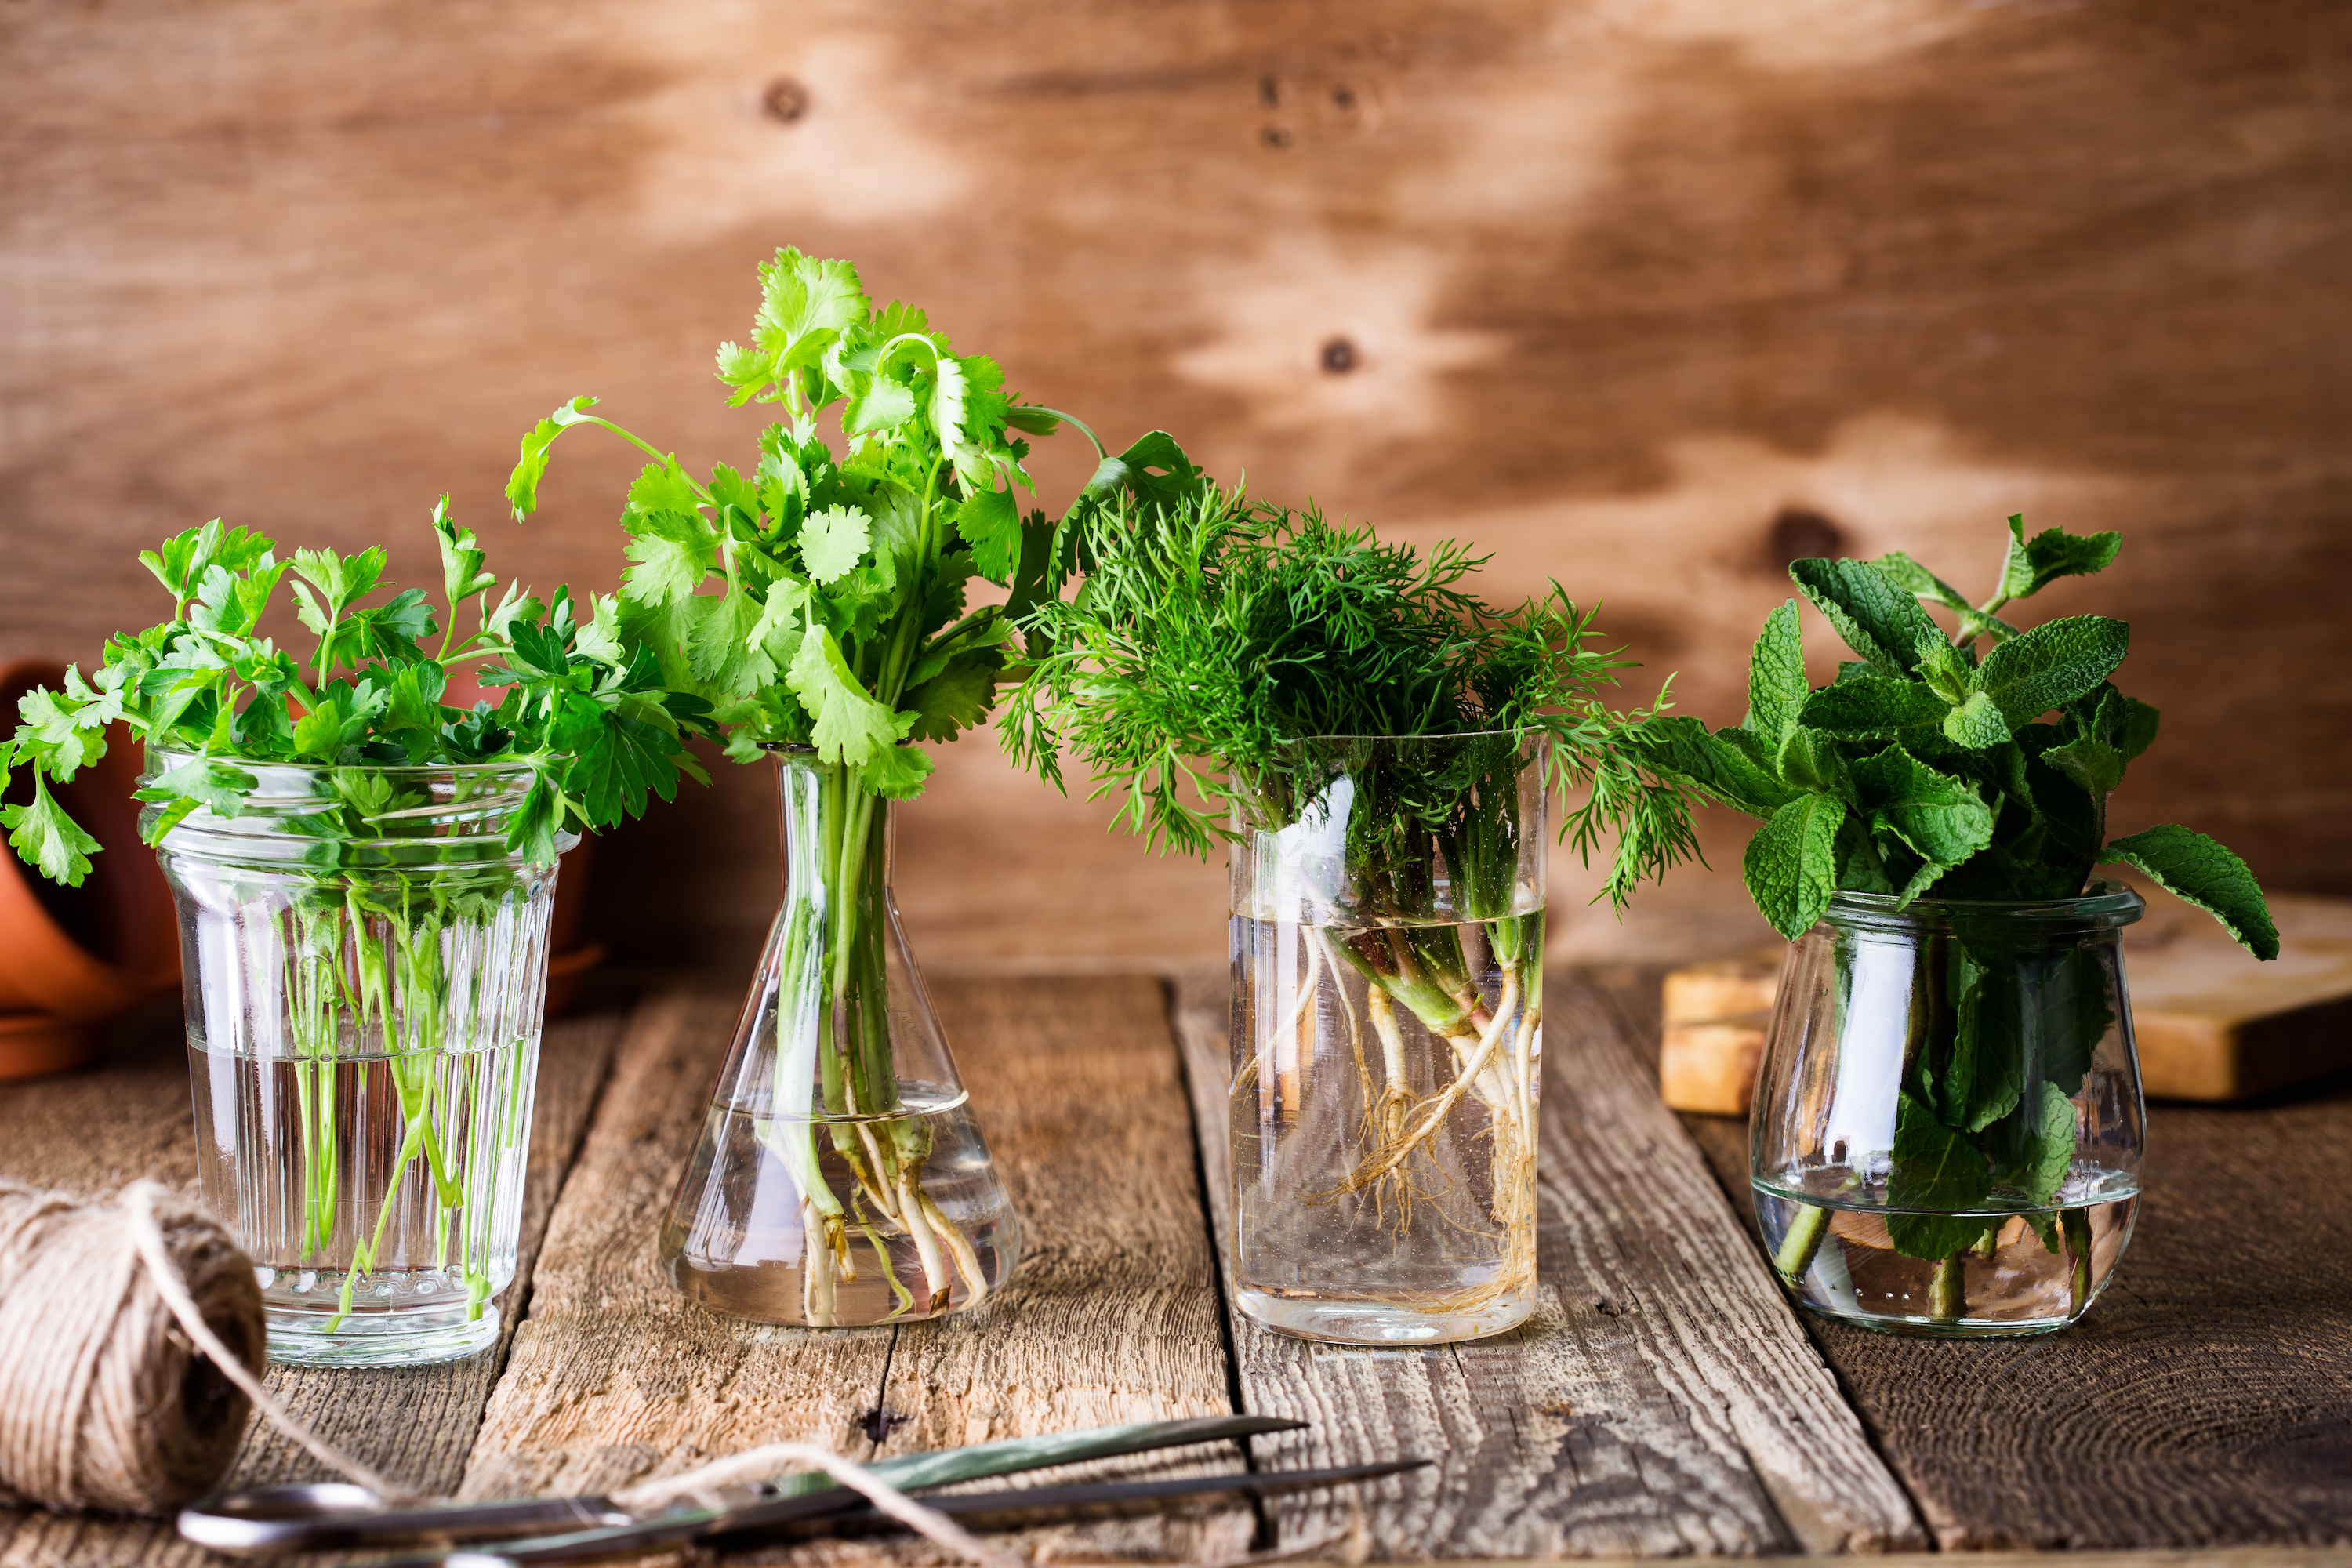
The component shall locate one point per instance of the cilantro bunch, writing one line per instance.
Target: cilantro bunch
(839, 620)
(1975, 766)
(590, 719)
(1213, 633)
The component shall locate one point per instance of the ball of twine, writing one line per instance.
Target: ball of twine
(104, 1401)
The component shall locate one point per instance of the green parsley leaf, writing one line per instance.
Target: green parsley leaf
(44, 835)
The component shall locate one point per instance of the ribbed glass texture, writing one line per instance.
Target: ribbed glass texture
(366, 967)
(1387, 934)
(1947, 1124)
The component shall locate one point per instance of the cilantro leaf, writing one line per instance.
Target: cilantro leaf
(522, 485)
(849, 725)
(990, 523)
(957, 698)
(673, 551)
(2197, 870)
(833, 540)
(896, 772)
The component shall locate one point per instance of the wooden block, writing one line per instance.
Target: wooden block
(2212, 1021)
(1728, 988)
(2215, 1023)
(1711, 1067)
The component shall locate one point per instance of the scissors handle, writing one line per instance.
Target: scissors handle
(330, 1516)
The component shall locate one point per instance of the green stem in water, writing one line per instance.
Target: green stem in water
(2074, 1226)
(1947, 1287)
(1804, 1240)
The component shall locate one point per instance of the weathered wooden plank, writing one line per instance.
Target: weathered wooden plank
(130, 1118)
(1114, 1314)
(613, 1377)
(2203, 1403)
(1663, 1400)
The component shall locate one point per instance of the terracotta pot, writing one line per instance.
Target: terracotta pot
(85, 953)
(33, 1044)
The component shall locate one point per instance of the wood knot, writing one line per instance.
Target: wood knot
(1799, 533)
(1276, 137)
(1338, 357)
(877, 1422)
(785, 100)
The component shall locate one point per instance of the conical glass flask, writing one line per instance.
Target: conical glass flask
(841, 1179)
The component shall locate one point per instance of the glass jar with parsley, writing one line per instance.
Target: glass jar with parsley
(364, 873)
(365, 961)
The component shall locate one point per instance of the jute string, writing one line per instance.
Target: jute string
(132, 1342)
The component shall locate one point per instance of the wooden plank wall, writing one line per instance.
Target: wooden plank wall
(1648, 295)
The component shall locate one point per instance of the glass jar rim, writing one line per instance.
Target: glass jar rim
(516, 765)
(1428, 735)
(2103, 903)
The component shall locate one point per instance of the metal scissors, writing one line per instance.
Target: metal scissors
(330, 1517)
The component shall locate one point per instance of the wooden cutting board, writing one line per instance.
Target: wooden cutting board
(2213, 1024)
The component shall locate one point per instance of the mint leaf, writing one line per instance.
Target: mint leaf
(1986, 1076)
(1867, 704)
(833, 540)
(1940, 817)
(44, 837)
(1791, 863)
(1776, 675)
(1878, 620)
(1809, 759)
(2051, 666)
(2197, 870)
(1683, 748)
(1917, 581)
(2033, 565)
(1935, 1172)
(2092, 763)
(1976, 724)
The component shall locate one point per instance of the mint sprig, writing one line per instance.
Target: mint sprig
(1972, 766)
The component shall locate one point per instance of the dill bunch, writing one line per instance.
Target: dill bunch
(1216, 633)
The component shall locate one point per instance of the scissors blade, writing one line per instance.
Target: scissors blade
(1011, 1501)
(813, 1496)
(331, 1516)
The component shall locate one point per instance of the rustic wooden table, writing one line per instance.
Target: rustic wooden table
(1664, 1401)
